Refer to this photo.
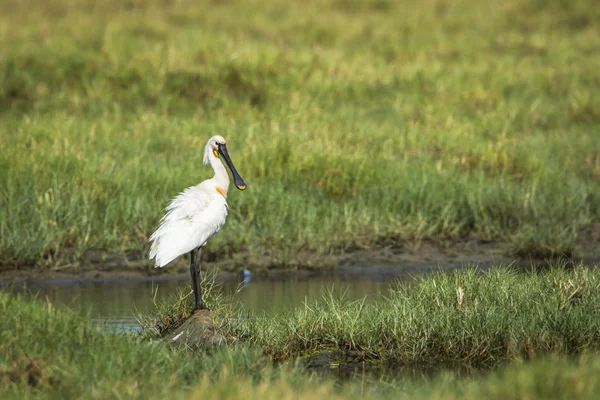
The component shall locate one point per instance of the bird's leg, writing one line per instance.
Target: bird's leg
(195, 272)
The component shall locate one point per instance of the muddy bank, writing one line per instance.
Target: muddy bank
(103, 265)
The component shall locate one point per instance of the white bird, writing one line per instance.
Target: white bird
(195, 215)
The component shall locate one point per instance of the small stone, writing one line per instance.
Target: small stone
(199, 330)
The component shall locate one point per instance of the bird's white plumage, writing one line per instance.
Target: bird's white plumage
(192, 218)
(194, 215)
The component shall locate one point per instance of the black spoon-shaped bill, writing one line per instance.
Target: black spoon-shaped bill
(237, 179)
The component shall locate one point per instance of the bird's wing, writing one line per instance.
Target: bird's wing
(192, 218)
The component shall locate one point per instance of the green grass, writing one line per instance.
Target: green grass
(473, 316)
(55, 353)
(356, 124)
(60, 354)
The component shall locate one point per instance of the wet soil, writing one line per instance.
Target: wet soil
(102, 265)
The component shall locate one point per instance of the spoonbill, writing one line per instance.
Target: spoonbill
(195, 215)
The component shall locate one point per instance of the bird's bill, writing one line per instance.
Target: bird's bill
(237, 179)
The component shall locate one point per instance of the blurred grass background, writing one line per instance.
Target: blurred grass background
(356, 124)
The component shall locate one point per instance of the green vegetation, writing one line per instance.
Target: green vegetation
(50, 353)
(466, 315)
(356, 124)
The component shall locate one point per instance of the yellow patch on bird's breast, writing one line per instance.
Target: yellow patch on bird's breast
(222, 191)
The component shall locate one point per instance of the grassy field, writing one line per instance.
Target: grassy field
(356, 124)
(54, 353)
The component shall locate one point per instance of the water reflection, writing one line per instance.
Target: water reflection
(116, 303)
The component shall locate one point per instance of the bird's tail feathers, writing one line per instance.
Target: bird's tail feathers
(171, 241)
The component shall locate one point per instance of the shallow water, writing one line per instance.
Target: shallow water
(115, 303)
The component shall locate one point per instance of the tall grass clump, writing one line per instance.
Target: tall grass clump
(170, 314)
(466, 315)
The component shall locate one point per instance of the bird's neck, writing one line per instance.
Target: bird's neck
(221, 177)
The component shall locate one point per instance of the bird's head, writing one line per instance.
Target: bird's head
(216, 147)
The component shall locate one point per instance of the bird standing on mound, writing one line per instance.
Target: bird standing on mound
(195, 215)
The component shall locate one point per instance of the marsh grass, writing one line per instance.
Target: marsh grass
(50, 352)
(58, 353)
(356, 124)
(469, 315)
